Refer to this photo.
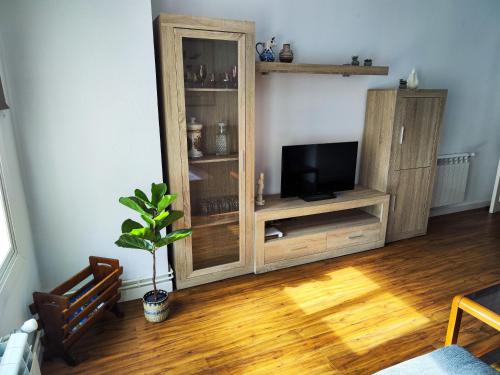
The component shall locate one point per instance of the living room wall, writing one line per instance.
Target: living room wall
(86, 118)
(453, 44)
(22, 277)
(84, 103)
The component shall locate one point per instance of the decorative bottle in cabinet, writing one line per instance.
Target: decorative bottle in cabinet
(194, 139)
(221, 140)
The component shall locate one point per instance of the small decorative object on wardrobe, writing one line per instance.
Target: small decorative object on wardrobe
(403, 84)
(367, 62)
(194, 139)
(286, 53)
(221, 140)
(259, 201)
(412, 79)
(355, 61)
(266, 52)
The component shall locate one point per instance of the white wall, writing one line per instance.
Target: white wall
(21, 279)
(453, 44)
(84, 98)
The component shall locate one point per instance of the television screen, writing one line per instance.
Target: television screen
(320, 169)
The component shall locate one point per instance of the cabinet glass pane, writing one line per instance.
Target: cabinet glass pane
(211, 95)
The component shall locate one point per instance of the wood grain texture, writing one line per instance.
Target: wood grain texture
(320, 230)
(377, 138)
(409, 190)
(277, 67)
(202, 37)
(205, 23)
(402, 133)
(416, 132)
(351, 315)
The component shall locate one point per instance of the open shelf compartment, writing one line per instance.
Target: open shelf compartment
(325, 222)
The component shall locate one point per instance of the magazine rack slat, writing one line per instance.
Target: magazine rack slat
(65, 316)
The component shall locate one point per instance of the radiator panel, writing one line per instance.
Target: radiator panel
(450, 183)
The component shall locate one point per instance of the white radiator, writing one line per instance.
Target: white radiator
(20, 351)
(451, 179)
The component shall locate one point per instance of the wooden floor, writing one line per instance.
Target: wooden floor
(350, 315)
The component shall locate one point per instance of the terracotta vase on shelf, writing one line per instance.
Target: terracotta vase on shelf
(286, 53)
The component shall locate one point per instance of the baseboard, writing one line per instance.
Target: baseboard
(465, 206)
(135, 289)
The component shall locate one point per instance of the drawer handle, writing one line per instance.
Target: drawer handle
(356, 236)
(298, 248)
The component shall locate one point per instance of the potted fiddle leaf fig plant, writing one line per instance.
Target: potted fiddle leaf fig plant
(151, 237)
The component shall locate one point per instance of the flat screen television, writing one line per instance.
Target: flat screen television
(317, 171)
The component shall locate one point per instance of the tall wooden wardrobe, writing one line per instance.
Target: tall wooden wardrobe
(206, 72)
(398, 156)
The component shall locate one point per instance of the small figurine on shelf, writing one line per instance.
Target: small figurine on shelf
(266, 52)
(226, 80)
(367, 62)
(211, 80)
(403, 84)
(259, 201)
(203, 74)
(412, 80)
(234, 76)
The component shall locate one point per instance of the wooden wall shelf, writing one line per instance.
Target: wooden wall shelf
(210, 89)
(217, 219)
(276, 67)
(214, 159)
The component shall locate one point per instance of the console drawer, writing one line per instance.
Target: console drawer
(345, 237)
(290, 248)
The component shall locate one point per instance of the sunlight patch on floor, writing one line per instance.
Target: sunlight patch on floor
(352, 305)
(319, 295)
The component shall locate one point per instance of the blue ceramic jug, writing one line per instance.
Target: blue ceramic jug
(266, 52)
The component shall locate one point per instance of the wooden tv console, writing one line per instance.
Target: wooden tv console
(353, 221)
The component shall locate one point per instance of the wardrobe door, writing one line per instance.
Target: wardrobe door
(410, 198)
(416, 132)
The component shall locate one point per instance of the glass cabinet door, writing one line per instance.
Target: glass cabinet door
(214, 130)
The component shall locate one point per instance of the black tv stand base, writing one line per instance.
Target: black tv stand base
(318, 197)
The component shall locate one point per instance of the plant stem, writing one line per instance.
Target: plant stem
(154, 274)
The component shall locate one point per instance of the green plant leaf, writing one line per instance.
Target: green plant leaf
(169, 219)
(173, 236)
(142, 196)
(135, 204)
(129, 225)
(145, 233)
(166, 201)
(157, 193)
(163, 215)
(148, 220)
(132, 242)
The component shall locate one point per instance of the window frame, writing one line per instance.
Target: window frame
(6, 265)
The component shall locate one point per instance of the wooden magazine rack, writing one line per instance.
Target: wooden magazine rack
(65, 315)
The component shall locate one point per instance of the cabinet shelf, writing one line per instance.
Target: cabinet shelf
(312, 224)
(214, 159)
(210, 89)
(217, 219)
(276, 67)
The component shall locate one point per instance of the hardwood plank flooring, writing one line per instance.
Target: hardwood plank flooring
(351, 315)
